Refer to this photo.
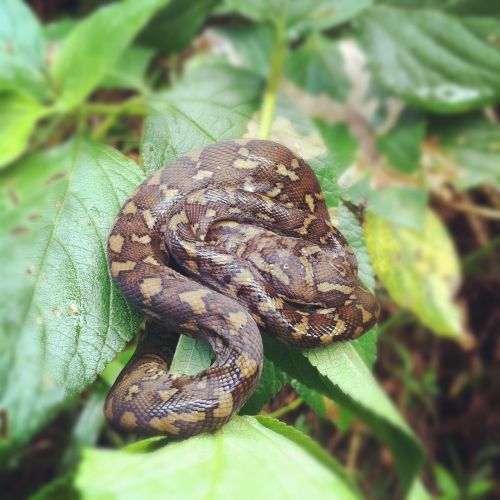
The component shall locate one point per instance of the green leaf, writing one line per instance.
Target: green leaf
(174, 27)
(61, 318)
(339, 372)
(95, 45)
(400, 205)
(431, 59)
(317, 67)
(470, 144)
(418, 491)
(230, 463)
(191, 356)
(212, 102)
(401, 145)
(447, 484)
(20, 112)
(341, 144)
(420, 270)
(22, 65)
(299, 17)
(129, 71)
(253, 45)
(308, 444)
(314, 399)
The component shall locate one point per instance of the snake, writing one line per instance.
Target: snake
(219, 245)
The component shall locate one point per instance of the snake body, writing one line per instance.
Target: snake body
(216, 245)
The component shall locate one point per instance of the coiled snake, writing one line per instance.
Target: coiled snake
(215, 245)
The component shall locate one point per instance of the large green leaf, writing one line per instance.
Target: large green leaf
(420, 270)
(173, 28)
(95, 45)
(340, 373)
(212, 102)
(61, 318)
(22, 65)
(471, 146)
(246, 459)
(299, 17)
(20, 113)
(432, 59)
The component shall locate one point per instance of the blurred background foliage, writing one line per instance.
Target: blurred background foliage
(395, 105)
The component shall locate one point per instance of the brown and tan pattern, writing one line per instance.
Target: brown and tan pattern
(214, 246)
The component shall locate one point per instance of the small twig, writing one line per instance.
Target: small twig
(353, 453)
(285, 409)
(488, 213)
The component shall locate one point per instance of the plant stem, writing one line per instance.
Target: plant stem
(285, 409)
(271, 91)
(133, 106)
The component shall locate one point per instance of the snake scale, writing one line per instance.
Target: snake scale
(217, 245)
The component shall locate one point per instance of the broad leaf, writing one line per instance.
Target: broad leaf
(400, 205)
(317, 67)
(420, 270)
(401, 145)
(213, 102)
(342, 146)
(174, 27)
(471, 146)
(61, 318)
(252, 46)
(246, 459)
(95, 45)
(20, 113)
(129, 71)
(191, 356)
(432, 59)
(22, 65)
(339, 372)
(299, 17)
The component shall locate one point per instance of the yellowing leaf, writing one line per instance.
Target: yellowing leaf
(420, 270)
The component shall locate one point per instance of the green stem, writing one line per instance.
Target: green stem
(271, 91)
(285, 409)
(134, 106)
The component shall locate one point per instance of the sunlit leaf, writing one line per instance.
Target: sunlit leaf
(231, 463)
(213, 102)
(339, 372)
(94, 45)
(62, 319)
(19, 114)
